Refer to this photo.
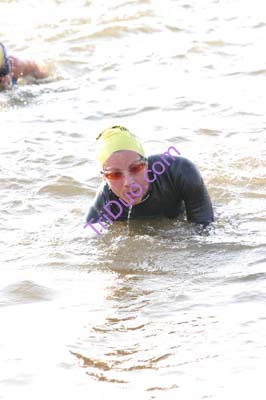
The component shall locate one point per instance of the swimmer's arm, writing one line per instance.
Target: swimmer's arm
(197, 200)
(96, 207)
(20, 68)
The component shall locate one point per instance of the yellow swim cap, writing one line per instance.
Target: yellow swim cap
(114, 139)
(4, 65)
(2, 54)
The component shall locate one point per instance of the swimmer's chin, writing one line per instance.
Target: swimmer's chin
(132, 201)
(136, 201)
(129, 201)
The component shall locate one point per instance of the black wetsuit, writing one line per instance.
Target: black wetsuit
(180, 187)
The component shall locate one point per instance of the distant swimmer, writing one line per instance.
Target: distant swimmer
(161, 185)
(13, 68)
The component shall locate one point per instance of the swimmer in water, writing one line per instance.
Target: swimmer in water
(161, 185)
(12, 68)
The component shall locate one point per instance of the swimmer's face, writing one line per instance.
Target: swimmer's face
(122, 170)
(5, 82)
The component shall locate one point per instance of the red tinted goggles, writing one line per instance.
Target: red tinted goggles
(133, 170)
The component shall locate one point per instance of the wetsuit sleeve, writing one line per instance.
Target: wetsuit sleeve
(195, 195)
(97, 205)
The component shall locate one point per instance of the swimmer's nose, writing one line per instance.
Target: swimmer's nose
(128, 180)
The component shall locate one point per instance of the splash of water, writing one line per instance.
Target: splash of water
(128, 216)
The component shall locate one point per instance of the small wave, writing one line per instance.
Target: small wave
(65, 186)
(247, 278)
(209, 132)
(88, 362)
(197, 49)
(257, 72)
(157, 388)
(250, 297)
(128, 112)
(218, 43)
(119, 31)
(14, 183)
(260, 25)
(173, 28)
(24, 292)
(260, 261)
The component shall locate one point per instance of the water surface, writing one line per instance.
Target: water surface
(153, 309)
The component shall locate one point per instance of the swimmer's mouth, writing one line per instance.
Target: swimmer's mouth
(132, 193)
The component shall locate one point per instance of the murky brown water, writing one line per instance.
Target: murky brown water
(152, 310)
